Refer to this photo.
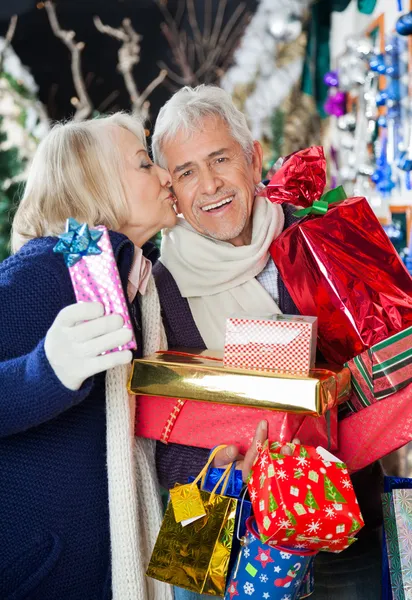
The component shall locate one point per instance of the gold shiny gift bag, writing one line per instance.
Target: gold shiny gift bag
(196, 556)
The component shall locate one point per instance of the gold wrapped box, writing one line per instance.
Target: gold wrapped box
(194, 375)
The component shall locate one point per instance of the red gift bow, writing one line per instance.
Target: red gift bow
(300, 180)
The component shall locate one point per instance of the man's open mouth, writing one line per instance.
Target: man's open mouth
(216, 205)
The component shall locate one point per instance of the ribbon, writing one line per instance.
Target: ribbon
(321, 207)
(77, 241)
(188, 354)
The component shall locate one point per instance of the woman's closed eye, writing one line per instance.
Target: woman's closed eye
(146, 165)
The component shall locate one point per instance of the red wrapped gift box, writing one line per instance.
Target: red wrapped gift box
(206, 425)
(338, 263)
(303, 500)
(370, 434)
(382, 370)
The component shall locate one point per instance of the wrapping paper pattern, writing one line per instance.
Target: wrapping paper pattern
(233, 489)
(392, 551)
(402, 500)
(96, 278)
(267, 572)
(196, 557)
(389, 550)
(207, 425)
(202, 377)
(366, 435)
(279, 343)
(382, 370)
(302, 500)
(340, 265)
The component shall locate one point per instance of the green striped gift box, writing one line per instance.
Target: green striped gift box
(382, 370)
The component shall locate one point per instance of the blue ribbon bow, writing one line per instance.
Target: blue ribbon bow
(77, 241)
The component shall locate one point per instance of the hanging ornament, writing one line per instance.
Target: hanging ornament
(285, 29)
(331, 79)
(404, 24)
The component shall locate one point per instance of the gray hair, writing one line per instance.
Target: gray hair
(185, 111)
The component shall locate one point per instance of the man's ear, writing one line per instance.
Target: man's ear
(257, 161)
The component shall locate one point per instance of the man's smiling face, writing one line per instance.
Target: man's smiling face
(214, 181)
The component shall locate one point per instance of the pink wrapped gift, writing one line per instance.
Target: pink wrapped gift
(275, 343)
(206, 425)
(382, 428)
(89, 256)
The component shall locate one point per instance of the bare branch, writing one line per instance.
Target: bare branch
(229, 47)
(207, 28)
(108, 101)
(217, 27)
(128, 57)
(84, 105)
(202, 55)
(119, 34)
(191, 11)
(174, 76)
(153, 85)
(180, 12)
(8, 39)
(178, 55)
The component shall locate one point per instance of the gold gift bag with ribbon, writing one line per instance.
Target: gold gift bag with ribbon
(194, 552)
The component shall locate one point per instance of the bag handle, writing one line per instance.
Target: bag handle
(225, 476)
(228, 481)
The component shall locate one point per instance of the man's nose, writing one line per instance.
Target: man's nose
(209, 182)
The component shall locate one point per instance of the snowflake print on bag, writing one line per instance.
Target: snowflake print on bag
(248, 588)
(285, 555)
(253, 494)
(281, 474)
(263, 578)
(313, 527)
(246, 552)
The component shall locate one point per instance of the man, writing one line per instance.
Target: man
(215, 263)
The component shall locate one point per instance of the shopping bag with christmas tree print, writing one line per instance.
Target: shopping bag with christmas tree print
(305, 500)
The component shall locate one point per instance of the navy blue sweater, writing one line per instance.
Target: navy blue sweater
(54, 520)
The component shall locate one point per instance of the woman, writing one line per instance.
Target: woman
(55, 501)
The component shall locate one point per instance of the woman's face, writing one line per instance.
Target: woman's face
(147, 190)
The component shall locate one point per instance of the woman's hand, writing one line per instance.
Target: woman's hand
(77, 338)
(231, 453)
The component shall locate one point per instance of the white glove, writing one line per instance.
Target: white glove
(73, 347)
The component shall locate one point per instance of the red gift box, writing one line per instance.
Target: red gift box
(206, 425)
(338, 263)
(381, 371)
(368, 435)
(303, 500)
(277, 343)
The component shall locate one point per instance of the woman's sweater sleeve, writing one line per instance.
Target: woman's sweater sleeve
(30, 392)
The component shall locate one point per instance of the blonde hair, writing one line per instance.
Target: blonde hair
(76, 172)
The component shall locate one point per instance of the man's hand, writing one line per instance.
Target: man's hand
(231, 453)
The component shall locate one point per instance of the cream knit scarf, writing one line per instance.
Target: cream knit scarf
(134, 500)
(217, 278)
